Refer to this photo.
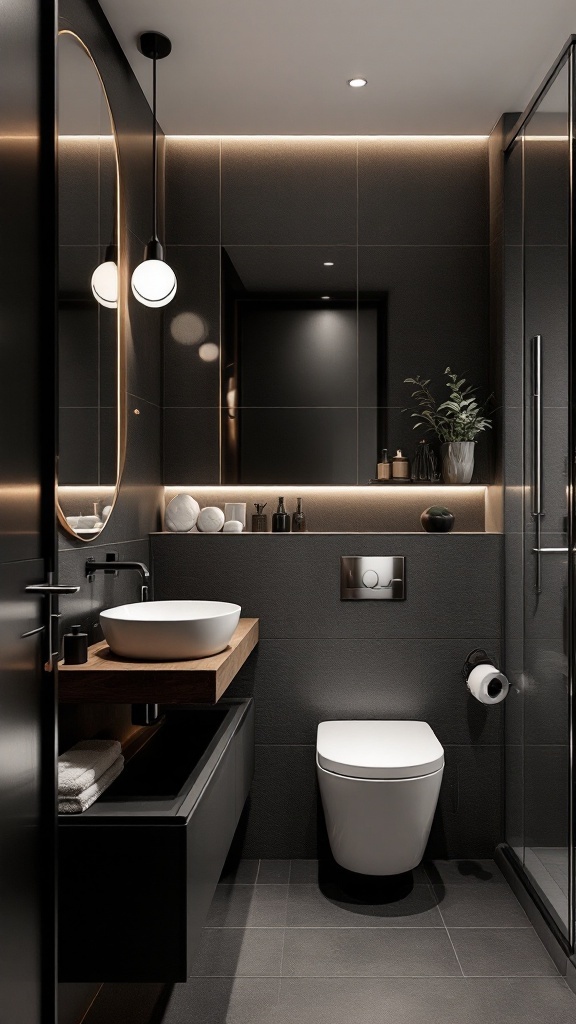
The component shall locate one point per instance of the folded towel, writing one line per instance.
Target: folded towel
(77, 804)
(84, 763)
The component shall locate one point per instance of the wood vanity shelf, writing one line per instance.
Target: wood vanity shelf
(108, 679)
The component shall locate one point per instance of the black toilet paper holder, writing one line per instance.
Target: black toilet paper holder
(476, 657)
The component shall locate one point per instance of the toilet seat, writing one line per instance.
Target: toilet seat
(378, 750)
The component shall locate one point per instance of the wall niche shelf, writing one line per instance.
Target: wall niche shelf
(108, 679)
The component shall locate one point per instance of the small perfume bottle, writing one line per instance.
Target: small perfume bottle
(298, 518)
(281, 519)
(259, 518)
(384, 471)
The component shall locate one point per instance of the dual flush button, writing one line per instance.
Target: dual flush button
(372, 578)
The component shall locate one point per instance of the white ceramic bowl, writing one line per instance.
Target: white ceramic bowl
(169, 630)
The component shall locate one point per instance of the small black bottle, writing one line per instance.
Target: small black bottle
(298, 518)
(75, 647)
(281, 519)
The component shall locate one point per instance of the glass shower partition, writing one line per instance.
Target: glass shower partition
(539, 627)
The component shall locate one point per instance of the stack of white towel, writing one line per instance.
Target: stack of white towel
(85, 771)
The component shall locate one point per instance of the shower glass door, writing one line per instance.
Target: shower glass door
(539, 830)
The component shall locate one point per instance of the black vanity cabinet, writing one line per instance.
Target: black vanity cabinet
(139, 868)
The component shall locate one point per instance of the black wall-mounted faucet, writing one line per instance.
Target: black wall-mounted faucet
(113, 566)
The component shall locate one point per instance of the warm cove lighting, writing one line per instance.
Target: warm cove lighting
(357, 83)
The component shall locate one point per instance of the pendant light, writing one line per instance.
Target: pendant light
(105, 280)
(153, 281)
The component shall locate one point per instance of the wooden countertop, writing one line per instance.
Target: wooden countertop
(108, 679)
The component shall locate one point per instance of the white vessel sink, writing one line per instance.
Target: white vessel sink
(169, 630)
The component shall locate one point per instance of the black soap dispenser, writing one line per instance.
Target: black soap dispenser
(281, 519)
(75, 647)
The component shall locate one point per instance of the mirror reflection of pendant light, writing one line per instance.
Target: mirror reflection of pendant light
(105, 280)
(153, 281)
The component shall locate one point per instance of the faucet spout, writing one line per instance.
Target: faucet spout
(92, 567)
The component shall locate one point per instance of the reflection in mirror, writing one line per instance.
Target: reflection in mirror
(303, 365)
(88, 317)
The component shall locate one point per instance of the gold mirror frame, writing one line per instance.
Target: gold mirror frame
(121, 320)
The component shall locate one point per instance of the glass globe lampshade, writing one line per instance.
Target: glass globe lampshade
(154, 283)
(105, 284)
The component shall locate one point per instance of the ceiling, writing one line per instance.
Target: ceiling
(251, 67)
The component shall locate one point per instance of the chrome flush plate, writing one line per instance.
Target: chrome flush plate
(372, 578)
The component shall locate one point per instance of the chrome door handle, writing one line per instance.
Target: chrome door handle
(50, 589)
(32, 632)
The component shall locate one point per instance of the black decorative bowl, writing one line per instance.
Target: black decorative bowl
(437, 519)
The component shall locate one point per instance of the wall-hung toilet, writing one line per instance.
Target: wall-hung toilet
(379, 783)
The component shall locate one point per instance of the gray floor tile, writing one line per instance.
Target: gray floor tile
(251, 952)
(461, 872)
(368, 952)
(248, 906)
(308, 906)
(409, 1001)
(221, 1000)
(273, 871)
(501, 952)
(306, 872)
(303, 872)
(538, 1001)
(245, 871)
(480, 906)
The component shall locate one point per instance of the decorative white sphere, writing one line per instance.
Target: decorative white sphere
(210, 520)
(154, 283)
(233, 526)
(181, 513)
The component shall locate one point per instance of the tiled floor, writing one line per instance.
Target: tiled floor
(448, 945)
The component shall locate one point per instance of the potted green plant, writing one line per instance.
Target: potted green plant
(456, 423)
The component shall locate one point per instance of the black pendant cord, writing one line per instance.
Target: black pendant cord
(155, 46)
(154, 157)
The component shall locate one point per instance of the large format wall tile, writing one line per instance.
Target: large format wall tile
(298, 683)
(416, 192)
(289, 193)
(292, 582)
(192, 191)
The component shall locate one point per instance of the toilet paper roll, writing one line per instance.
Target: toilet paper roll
(487, 684)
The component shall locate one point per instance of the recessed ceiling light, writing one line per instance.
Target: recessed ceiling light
(328, 264)
(357, 83)
(325, 296)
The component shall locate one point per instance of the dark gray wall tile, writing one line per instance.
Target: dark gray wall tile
(468, 818)
(191, 451)
(437, 311)
(292, 582)
(298, 683)
(77, 192)
(282, 810)
(275, 191)
(192, 191)
(190, 321)
(419, 193)
(314, 446)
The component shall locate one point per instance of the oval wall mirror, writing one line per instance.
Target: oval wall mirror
(91, 389)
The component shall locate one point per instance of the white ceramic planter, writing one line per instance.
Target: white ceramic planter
(457, 462)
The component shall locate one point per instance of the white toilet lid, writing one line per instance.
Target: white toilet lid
(379, 750)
